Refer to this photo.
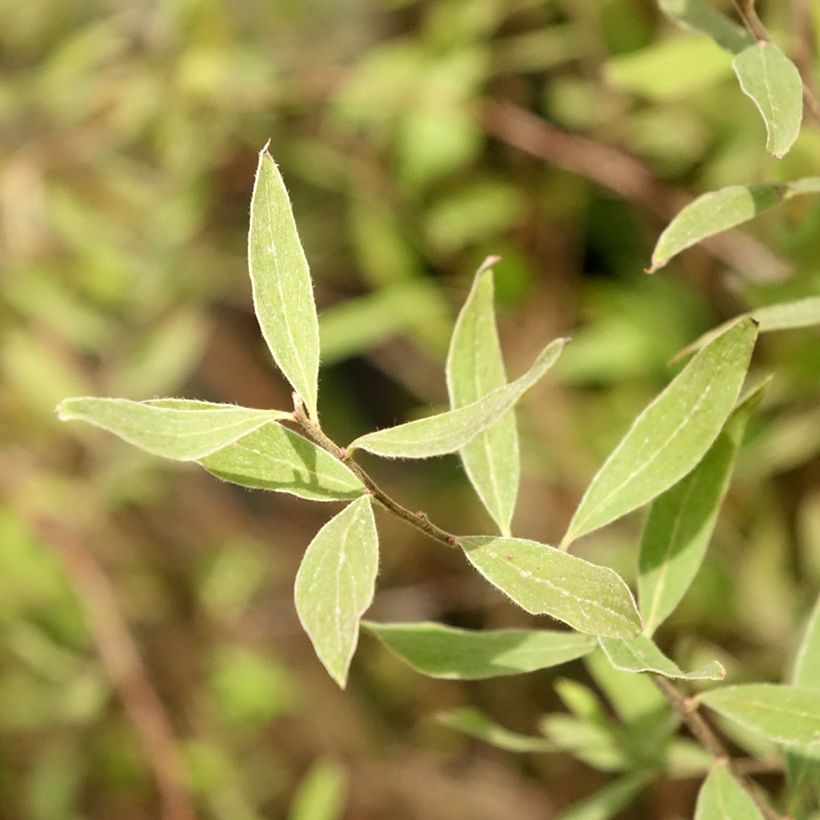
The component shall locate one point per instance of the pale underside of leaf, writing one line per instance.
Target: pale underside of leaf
(459, 654)
(474, 368)
(671, 435)
(450, 431)
(172, 428)
(539, 578)
(773, 83)
(642, 655)
(275, 458)
(281, 283)
(335, 585)
(721, 797)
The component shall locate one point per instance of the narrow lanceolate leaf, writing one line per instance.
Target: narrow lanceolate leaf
(701, 17)
(671, 435)
(275, 458)
(474, 368)
(773, 82)
(784, 714)
(335, 583)
(460, 654)
(476, 724)
(450, 431)
(610, 800)
(641, 655)
(681, 521)
(721, 797)
(172, 428)
(718, 211)
(546, 581)
(280, 278)
(807, 661)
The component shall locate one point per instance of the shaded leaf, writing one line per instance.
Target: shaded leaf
(321, 792)
(474, 723)
(275, 458)
(460, 654)
(784, 714)
(546, 581)
(596, 745)
(474, 368)
(335, 584)
(609, 800)
(721, 797)
(681, 521)
(282, 288)
(635, 699)
(642, 655)
(173, 428)
(701, 17)
(774, 84)
(450, 431)
(671, 435)
(807, 661)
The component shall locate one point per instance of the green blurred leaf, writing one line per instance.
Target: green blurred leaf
(474, 368)
(546, 581)
(784, 714)
(807, 662)
(321, 793)
(671, 435)
(635, 698)
(474, 723)
(173, 428)
(460, 654)
(597, 746)
(773, 82)
(701, 17)
(609, 800)
(642, 655)
(681, 521)
(335, 584)
(721, 797)
(450, 431)
(282, 289)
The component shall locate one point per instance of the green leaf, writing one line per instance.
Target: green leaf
(784, 714)
(773, 82)
(474, 723)
(321, 793)
(635, 699)
(718, 211)
(609, 800)
(546, 581)
(642, 655)
(460, 654)
(701, 17)
(282, 289)
(450, 431)
(807, 662)
(172, 428)
(671, 435)
(275, 458)
(597, 746)
(474, 368)
(721, 797)
(681, 521)
(335, 584)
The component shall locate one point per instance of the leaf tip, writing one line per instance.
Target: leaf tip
(487, 264)
(263, 151)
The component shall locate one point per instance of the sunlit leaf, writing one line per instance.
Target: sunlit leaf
(701, 17)
(474, 723)
(335, 583)
(275, 458)
(475, 368)
(721, 797)
(642, 655)
(784, 714)
(450, 431)
(773, 82)
(546, 581)
(282, 288)
(173, 428)
(671, 435)
(460, 654)
(681, 521)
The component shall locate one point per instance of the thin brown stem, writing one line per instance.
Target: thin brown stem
(419, 520)
(708, 738)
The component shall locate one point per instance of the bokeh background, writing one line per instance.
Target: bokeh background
(150, 656)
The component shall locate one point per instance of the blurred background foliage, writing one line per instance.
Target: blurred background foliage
(416, 138)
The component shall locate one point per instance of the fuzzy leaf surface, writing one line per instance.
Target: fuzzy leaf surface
(281, 284)
(335, 585)
(545, 581)
(671, 435)
(474, 368)
(461, 654)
